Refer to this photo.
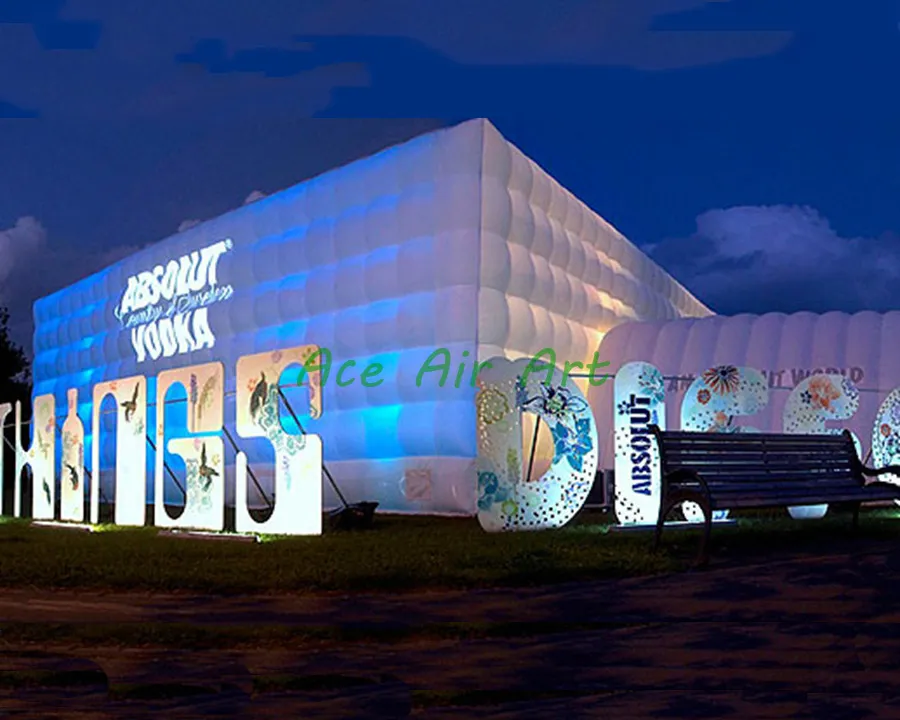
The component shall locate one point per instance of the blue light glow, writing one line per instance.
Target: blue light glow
(330, 262)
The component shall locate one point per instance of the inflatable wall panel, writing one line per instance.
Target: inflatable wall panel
(786, 348)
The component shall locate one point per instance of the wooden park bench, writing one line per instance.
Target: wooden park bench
(730, 471)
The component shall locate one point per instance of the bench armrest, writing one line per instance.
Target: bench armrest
(875, 472)
(872, 472)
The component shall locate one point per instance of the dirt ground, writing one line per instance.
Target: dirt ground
(806, 636)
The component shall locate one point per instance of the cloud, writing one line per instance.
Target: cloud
(193, 222)
(18, 246)
(782, 258)
(254, 196)
(31, 267)
(21, 248)
(188, 224)
(110, 256)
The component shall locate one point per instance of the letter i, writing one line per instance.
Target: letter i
(462, 369)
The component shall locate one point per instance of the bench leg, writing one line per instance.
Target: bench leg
(676, 499)
(657, 533)
(703, 557)
(706, 506)
(665, 507)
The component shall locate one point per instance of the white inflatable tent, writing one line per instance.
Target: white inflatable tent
(454, 239)
(787, 348)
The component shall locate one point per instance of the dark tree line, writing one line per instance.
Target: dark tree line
(15, 384)
(15, 372)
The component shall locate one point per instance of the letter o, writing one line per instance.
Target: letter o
(505, 500)
(640, 442)
(804, 414)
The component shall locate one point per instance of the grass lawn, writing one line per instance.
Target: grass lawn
(399, 553)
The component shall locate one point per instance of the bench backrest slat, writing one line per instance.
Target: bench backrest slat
(738, 458)
(736, 475)
(753, 464)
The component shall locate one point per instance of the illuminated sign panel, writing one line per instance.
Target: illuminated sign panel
(165, 308)
(507, 498)
(639, 402)
(298, 501)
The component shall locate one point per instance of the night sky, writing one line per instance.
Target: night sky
(751, 146)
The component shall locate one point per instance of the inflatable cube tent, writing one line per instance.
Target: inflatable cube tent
(452, 240)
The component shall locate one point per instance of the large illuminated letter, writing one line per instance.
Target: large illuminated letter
(71, 480)
(885, 436)
(131, 449)
(639, 402)
(713, 401)
(204, 456)
(298, 458)
(816, 399)
(506, 500)
(5, 410)
(41, 456)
